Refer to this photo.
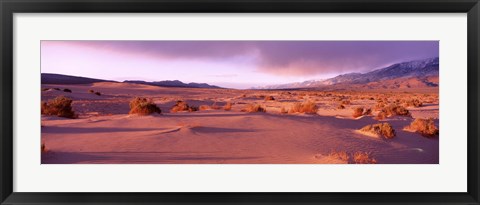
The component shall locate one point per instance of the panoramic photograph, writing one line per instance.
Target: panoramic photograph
(239, 102)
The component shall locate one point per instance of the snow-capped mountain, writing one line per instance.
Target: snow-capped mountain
(422, 72)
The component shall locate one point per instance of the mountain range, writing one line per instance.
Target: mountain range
(172, 83)
(411, 74)
(50, 78)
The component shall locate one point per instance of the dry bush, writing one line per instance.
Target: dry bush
(342, 155)
(346, 102)
(392, 110)
(204, 107)
(98, 93)
(60, 106)
(143, 106)
(305, 107)
(253, 108)
(363, 158)
(379, 106)
(243, 96)
(341, 107)
(215, 106)
(283, 110)
(412, 103)
(269, 98)
(357, 112)
(91, 91)
(426, 127)
(367, 111)
(67, 90)
(383, 129)
(43, 148)
(227, 106)
(183, 106)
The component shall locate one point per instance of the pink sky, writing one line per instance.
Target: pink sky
(235, 64)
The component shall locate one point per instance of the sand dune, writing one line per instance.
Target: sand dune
(106, 133)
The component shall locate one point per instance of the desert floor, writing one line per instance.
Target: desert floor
(106, 133)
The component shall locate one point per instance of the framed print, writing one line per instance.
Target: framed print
(252, 102)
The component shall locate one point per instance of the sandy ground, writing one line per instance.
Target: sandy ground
(106, 133)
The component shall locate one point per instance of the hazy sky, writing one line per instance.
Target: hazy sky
(235, 64)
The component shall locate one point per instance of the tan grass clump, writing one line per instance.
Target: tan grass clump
(269, 98)
(204, 107)
(43, 148)
(341, 155)
(426, 127)
(392, 110)
(253, 108)
(412, 103)
(363, 158)
(143, 106)
(367, 111)
(357, 112)
(283, 110)
(183, 106)
(381, 129)
(308, 107)
(227, 106)
(60, 106)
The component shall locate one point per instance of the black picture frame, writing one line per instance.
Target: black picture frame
(9, 7)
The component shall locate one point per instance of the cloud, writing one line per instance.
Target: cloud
(284, 58)
(224, 75)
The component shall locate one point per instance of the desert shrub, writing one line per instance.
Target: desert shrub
(227, 106)
(269, 98)
(98, 93)
(60, 106)
(243, 96)
(204, 107)
(43, 148)
(367, 111)
(346, 102)
(143, 106)
(426, 127)
(357, 112)
(379, 106)
(283, 110)
(340, 155)
(412, 103)
(67, 90)
(394, 109)
(305, 107)
(91, 91)
(215, 106)
(381, 115)
(382, 129)
(253, 108)
(183, 106)
(363, 158)
(341, 107)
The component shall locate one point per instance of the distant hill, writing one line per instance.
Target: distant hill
(172, 83)
(412, 74)
(50, 78)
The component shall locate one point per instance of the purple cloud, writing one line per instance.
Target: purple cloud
(287, 58)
